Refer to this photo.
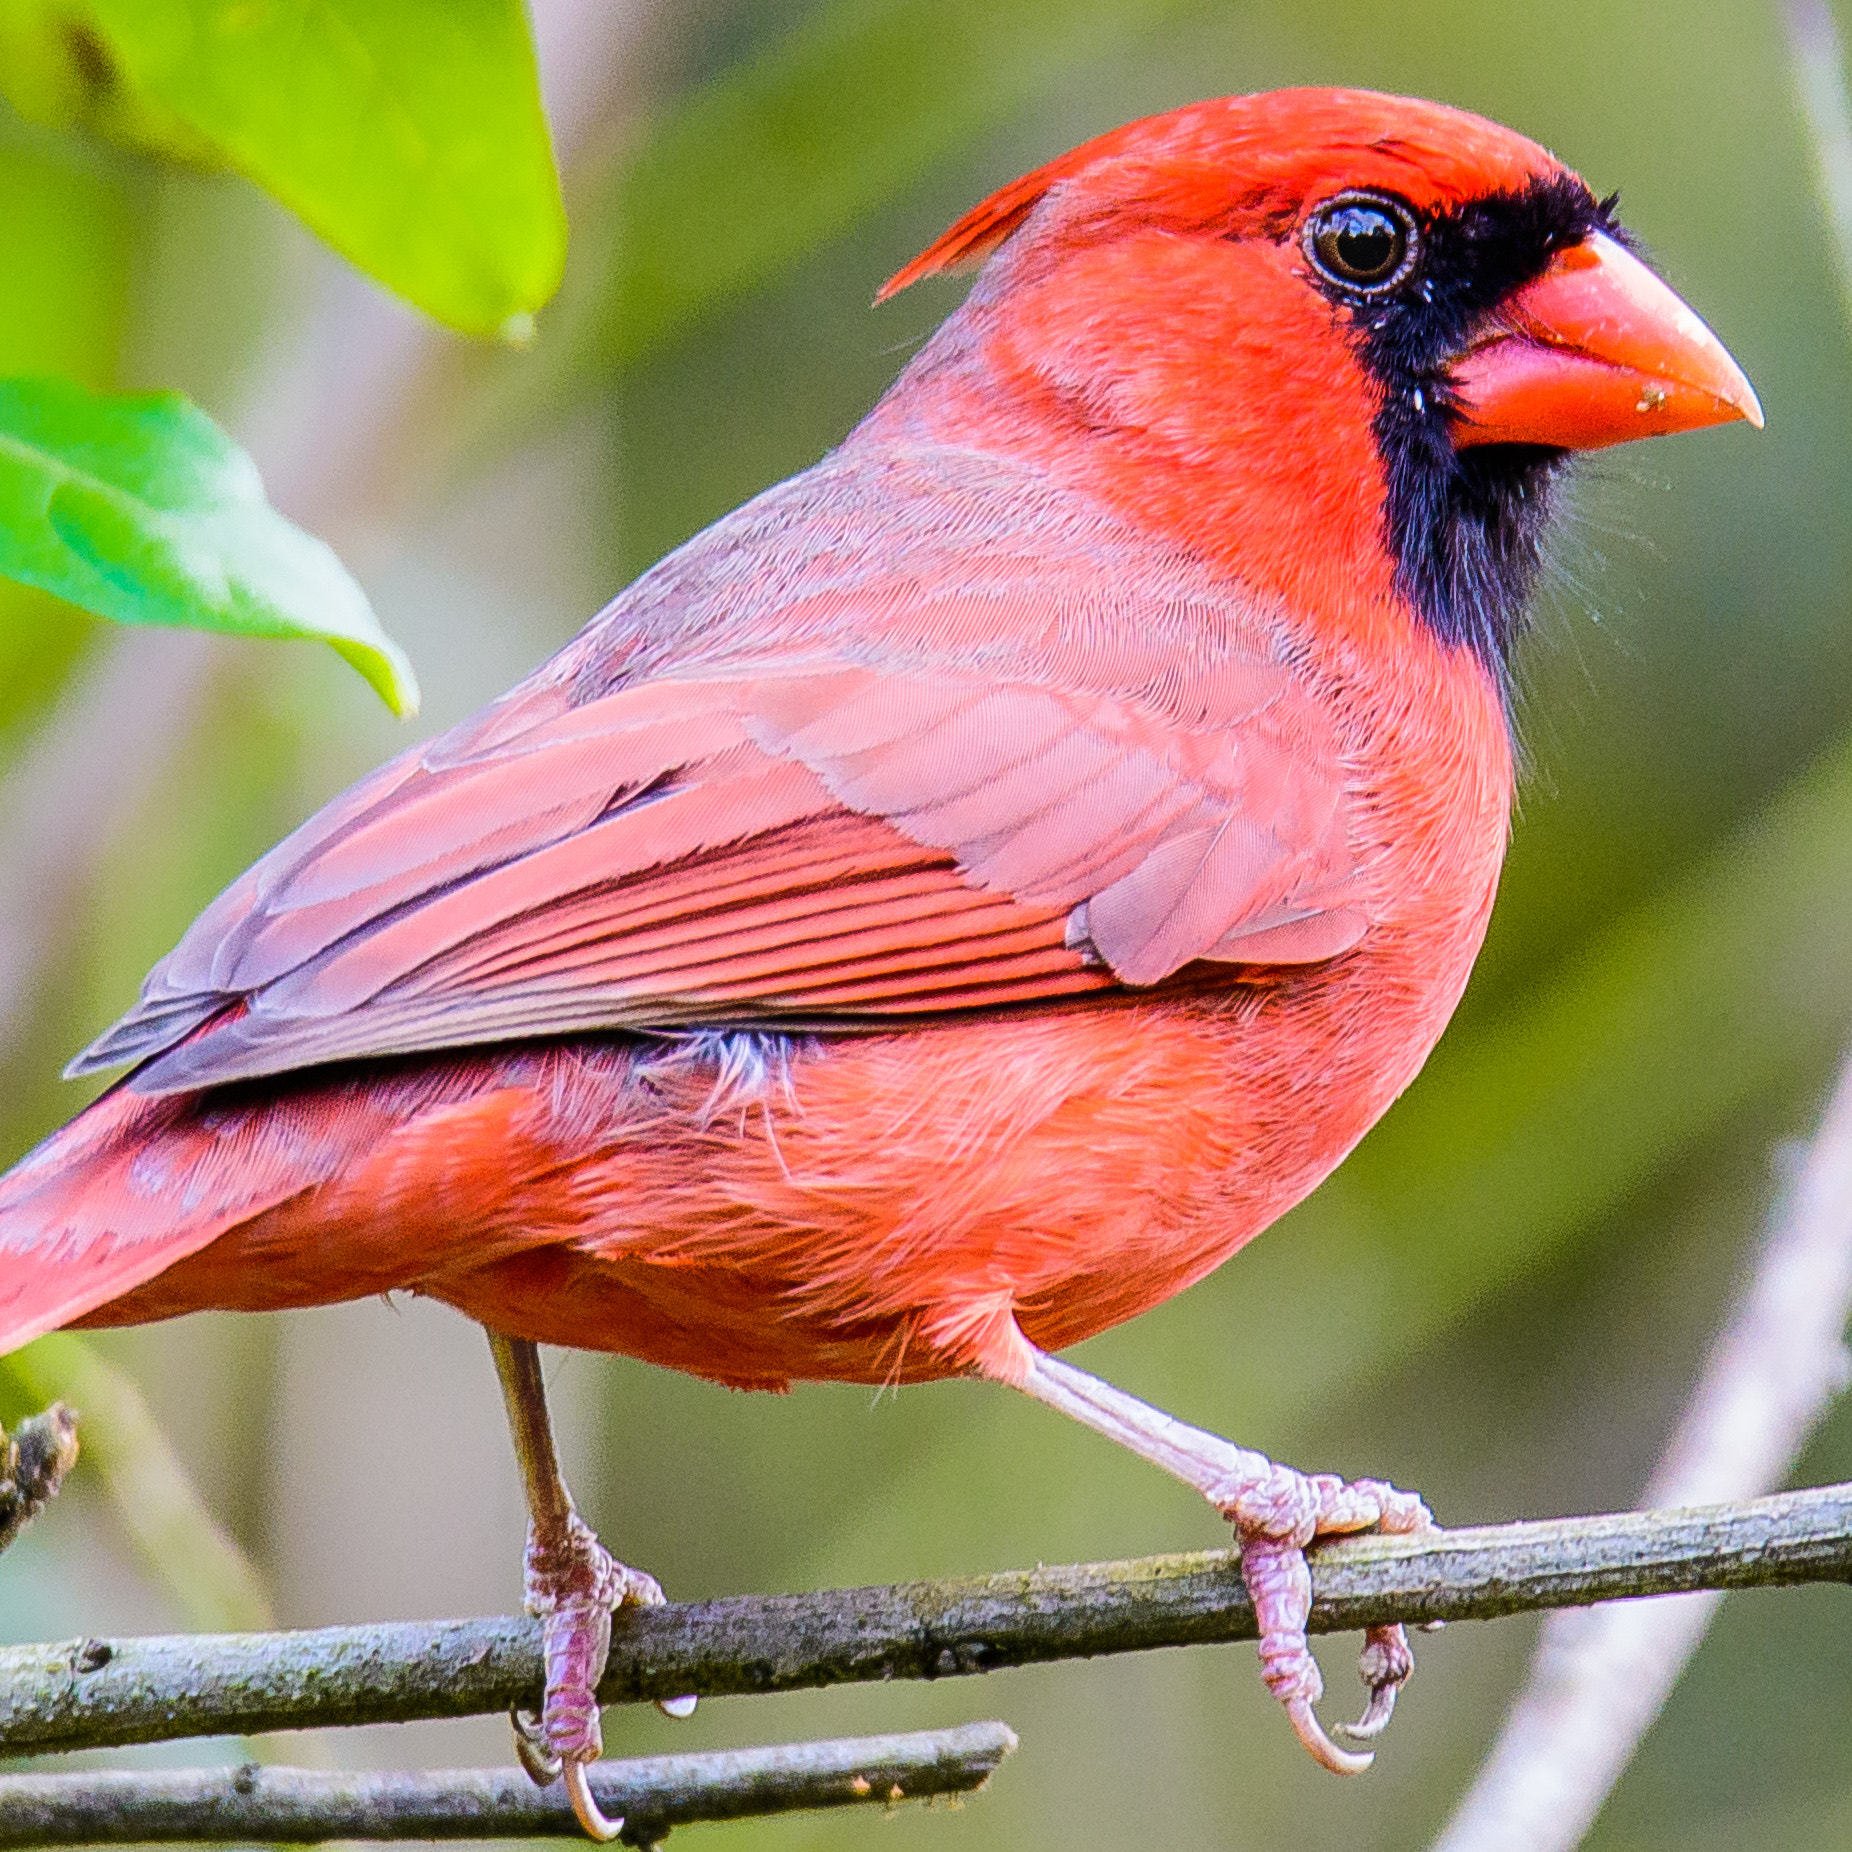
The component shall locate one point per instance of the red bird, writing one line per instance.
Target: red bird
(959, 898)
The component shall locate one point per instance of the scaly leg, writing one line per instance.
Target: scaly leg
(572, 1583)
(1276, 1512)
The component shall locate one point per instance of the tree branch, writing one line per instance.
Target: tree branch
(33, 1464)
(90, 1693)
(1819, 70)
(1601, 1676)
(299, 1805)
(211, 1579)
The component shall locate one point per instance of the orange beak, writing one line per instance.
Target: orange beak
(1596, 351)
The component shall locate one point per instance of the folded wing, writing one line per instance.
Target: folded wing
(944, 742)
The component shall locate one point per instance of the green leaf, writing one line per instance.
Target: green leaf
(141, 509)
(409, 136)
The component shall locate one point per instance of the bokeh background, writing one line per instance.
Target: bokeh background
(1500, 1300)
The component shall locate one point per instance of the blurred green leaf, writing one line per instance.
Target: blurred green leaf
(410, 136)
(142, 510)
(65, 232)
(793, 147)
(208, 1574)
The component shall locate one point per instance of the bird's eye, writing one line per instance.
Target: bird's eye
(1363, 241)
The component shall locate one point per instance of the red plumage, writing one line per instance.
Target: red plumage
(958, 899)
(1139, 739)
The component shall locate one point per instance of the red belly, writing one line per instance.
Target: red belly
(868, 1209)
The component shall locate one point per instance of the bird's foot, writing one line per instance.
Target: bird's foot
(1276, 1514)
(573, 1584)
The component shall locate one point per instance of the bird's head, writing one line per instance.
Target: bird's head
(1346, 341)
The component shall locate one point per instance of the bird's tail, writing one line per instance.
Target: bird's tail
(397, 1169)
(130, 1186)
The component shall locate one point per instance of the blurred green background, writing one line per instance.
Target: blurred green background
(1503, 1297)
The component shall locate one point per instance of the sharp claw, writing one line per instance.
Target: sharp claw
(1384, 1665)
(678, 1707)
(641, 1591)
(1321, 1748)
(530, 1747)
(1375, 1718)
(579, 1791)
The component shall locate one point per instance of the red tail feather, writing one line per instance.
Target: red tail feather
(120, 1193)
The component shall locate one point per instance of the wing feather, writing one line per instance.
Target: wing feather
(948, 740)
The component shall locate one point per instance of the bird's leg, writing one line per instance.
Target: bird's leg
(572, 1584)
(1276, 1512)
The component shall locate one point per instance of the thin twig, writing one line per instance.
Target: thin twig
(1601, 1676)
(1600, 1679)
(209, 1576)
(89, 1693)
(304, 1806)
(1820, 87)
(33, 1463)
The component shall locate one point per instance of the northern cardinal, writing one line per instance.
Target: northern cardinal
(955, 901)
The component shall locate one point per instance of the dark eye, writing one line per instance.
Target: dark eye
(1362, 240)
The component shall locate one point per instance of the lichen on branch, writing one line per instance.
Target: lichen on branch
(33, 1463)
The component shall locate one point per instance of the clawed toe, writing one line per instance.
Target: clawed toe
(1375, 1718)
(530, 1748)
(1275, 1517)
(597, 1825)
(575, 1637)
(573, 1584)
(545, 1768)
(1281, 1585)
(634, 1589)
(1384, 1665)
(1321, 1748)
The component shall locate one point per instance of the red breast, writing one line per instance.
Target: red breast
(973, 888)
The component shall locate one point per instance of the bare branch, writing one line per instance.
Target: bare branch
(1820, 87)
(304, 1806)
(89, 1693)
(1601, 1676)
(208, 1575)
(33, 1465)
